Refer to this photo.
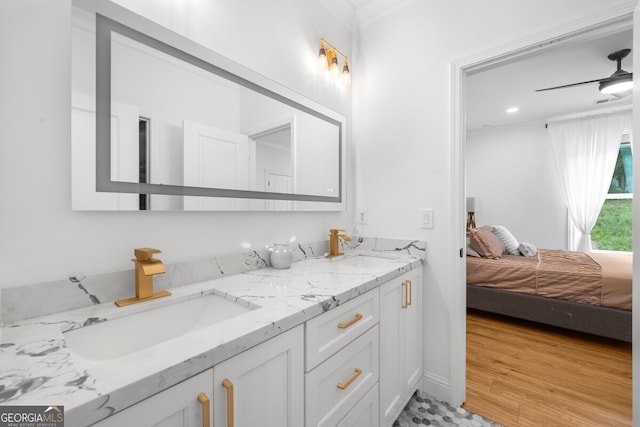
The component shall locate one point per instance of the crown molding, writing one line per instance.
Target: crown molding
(343, 10)
(369, 12)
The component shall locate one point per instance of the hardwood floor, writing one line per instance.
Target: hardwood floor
(524, 374)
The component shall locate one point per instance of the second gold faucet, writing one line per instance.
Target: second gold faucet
(334, 241)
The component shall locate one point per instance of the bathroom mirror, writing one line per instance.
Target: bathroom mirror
(162, 123)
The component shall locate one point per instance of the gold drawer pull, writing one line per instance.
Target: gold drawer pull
(206, 414)
(344, 385)
(405, 285)
(357, 317)
(229, 386)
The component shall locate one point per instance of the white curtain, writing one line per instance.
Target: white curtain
(585, 152)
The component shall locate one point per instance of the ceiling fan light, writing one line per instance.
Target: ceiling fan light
(616, 86)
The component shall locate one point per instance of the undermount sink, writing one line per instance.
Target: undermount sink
(126, 335)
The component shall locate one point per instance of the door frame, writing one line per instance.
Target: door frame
(607, 21)
(289, 122)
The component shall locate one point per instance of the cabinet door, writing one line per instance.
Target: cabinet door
(391, 378)
(263, 386)
(178, 406)
(412, 333)
(400, 343)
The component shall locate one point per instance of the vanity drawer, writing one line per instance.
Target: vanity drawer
(334, 388)
(365, 413)
(331, 331)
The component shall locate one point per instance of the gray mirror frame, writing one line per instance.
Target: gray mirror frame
(114, 18)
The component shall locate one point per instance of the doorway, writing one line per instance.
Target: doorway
(461, 69)
(275, 163)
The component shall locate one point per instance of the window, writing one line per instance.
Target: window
(612, 231)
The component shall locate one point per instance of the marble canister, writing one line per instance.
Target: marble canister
(281, 255)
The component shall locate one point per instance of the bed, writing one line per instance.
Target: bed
(582, 292)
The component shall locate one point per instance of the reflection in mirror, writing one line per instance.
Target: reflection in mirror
(175, 131)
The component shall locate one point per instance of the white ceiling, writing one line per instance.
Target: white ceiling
(491, 92)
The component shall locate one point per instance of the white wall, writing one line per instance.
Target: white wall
(510, 169)
(402, 113)
(41, 239)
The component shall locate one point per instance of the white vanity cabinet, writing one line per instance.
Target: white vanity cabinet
(262, 386)
(400, 343)
(342, 359)
(355, 365)
(187, 404)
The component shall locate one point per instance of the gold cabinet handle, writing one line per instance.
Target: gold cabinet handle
(357, 317)
(410, 292)
(206, 413)
(346, 384)
(405, 285)
(229, 386)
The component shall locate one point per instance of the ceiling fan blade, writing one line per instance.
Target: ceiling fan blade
(572, 84)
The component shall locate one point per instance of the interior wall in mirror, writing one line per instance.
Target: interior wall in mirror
(162, 123)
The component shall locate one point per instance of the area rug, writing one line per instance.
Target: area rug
(423, 410)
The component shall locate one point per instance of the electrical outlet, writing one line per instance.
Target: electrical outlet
(363, 216)
(426, 218)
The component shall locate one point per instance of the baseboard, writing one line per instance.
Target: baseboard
(437, 386)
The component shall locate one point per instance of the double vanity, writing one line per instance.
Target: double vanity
(326, 342)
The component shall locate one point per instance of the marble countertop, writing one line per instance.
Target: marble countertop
(39, 369)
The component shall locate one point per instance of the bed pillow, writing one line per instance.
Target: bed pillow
(472, 252)
(527, 249)
(485, 243)
(507, 239)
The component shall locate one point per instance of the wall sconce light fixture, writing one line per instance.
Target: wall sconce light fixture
(328, 61)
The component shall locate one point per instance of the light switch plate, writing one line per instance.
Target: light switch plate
(426, 218)
(363, 216)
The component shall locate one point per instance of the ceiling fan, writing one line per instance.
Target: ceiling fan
(619, 81)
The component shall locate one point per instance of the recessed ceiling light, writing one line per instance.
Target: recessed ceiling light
(512, 109)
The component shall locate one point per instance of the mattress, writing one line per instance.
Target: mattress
(594, 278)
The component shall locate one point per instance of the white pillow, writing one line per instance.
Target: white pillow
(527, 249)
(507, 239)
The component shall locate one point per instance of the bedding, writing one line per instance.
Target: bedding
(485, 243)
(508, 240)
(602, 279)
(527, 249)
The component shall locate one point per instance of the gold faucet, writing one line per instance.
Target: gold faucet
(146, 267)
(334, 241)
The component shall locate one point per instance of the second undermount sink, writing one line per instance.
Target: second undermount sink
(126, 335)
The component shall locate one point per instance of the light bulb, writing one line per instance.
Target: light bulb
(322, 59)
(346, 75)
(334, 66)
